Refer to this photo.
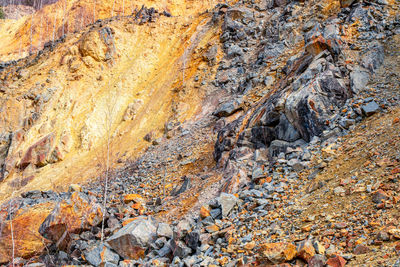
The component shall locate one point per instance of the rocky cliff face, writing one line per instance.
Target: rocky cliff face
(204, 134)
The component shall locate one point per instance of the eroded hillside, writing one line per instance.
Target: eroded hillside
(117, 80)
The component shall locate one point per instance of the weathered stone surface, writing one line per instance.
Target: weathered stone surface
(25, 224)
(132, 110)
(132, 240)
(5, 142)
(370, 108)
(101, 255)
(308, 109)
(227, 202)
(317, 261)
(92, 45)
(346, 3)
(374, 58)
(277, 252)
(164, 230)
(318, 40)
(336, 261)
(136, 198)
(358, 79)
(285, 130)
(40, 153)
(75, 214)
(204, 211)
(228, 108)
(306, 250)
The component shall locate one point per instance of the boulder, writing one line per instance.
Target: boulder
(79, 212)
(309, 107)
(180, 249)
(25, 224)
(133, 239)
(276, 147)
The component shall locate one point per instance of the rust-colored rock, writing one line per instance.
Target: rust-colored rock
(336, 261)
(306, 250)
(40, 153)
(73, 215)
(134, 198)
(277, 252)
(204, 211)
(25, 224)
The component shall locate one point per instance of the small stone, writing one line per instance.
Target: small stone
(339, 191)
(361, 249)
(378, 196)
(305, 250)
(212, 228)
(395, 233)
(383, 236)
(250, 245)
(74, 188)
(319, 248)
(370, 108)
(278, 252)
(204, 211)
(317, 261)
(100, 255)
(216, 213)
(340, 225)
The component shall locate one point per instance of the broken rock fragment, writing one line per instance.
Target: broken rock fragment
(277, 252)
(75, 214)
(132, 240)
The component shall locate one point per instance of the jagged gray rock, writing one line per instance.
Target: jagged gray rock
(131, 240)
(100, 254)
(227, 202)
